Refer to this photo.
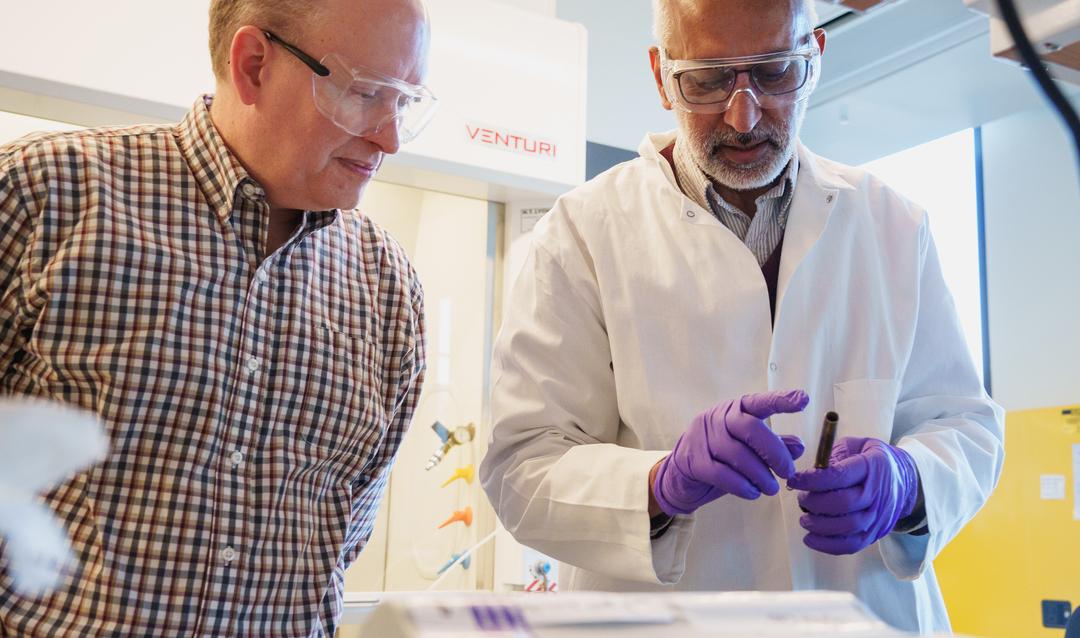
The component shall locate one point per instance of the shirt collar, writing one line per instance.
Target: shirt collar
(217, 171)
(692, 180)
(220, 175)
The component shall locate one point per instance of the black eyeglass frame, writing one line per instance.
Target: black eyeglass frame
(318, 68)
(415, 94)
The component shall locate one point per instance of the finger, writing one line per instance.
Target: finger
(746, 462)
(846, 447)
(836, 502)
(723, 477)
(846, 525)
(766, 404)
(847, 473)
(794, 445)
(728, 449)
(765, 443)
(837, 545)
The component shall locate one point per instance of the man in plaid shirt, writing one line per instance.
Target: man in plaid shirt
(254, 346)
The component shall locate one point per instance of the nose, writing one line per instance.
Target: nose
(744, 111)
(385, 136)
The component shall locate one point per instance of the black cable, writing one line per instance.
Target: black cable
(1034, 63)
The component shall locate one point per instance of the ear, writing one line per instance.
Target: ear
(248, 58)
(658, 77)
(819, 35)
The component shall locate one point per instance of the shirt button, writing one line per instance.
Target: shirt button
(253, 365)
(261, 275)
(691, 214)
(228, 554)
(828, 199)
(248, 190)
(774, 367)
(237, 458)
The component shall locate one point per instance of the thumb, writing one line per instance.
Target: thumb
(766, 404)
(794, 445)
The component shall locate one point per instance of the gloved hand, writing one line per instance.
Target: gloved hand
(868, 486)
(729, 449)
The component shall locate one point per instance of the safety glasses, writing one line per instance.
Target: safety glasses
(362, 101)
(708, 86)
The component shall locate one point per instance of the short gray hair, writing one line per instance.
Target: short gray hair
(663, 24)
(226, 16)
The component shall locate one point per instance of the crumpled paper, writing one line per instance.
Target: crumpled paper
(41, 444)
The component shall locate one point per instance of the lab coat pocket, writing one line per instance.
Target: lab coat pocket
(866, 407)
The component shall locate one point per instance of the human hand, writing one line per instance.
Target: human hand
(868, 486)
(729, 449)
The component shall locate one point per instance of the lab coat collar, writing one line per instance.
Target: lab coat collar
(817, 190)
(821, 171)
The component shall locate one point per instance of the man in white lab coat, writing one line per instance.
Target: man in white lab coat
(669, 305)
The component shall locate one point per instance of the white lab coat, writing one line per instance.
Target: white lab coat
(637, 310)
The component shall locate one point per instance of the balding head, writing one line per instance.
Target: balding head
(665, 13)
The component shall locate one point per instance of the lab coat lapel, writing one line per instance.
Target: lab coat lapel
(816, 194)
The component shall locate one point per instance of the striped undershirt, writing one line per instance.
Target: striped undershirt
(762, 232)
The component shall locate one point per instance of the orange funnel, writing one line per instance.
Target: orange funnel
(464, 516)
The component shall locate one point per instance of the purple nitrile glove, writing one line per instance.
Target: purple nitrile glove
(868, 486)
(729, 449)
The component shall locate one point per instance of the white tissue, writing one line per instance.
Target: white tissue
(41, 444)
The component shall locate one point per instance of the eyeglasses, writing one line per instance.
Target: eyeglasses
(362, 101)
(708, 86)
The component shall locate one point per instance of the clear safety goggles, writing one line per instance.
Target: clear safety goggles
(362, 101)
(708, 86)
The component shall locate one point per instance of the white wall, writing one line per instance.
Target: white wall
(544, 7)
(13, 125)
(622, 99)
(1033, 253)
(130, 48)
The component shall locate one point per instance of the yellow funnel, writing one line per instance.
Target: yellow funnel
(465, 473)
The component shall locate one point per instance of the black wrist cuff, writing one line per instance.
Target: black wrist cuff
(658, 525)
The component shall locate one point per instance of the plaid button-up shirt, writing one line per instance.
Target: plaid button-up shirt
(254, 402)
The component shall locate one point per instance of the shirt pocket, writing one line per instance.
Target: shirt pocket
(866, 407)
(347, 420)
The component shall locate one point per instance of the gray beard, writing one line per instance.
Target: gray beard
(781, 140)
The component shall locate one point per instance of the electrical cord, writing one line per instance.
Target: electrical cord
(1027, 52)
